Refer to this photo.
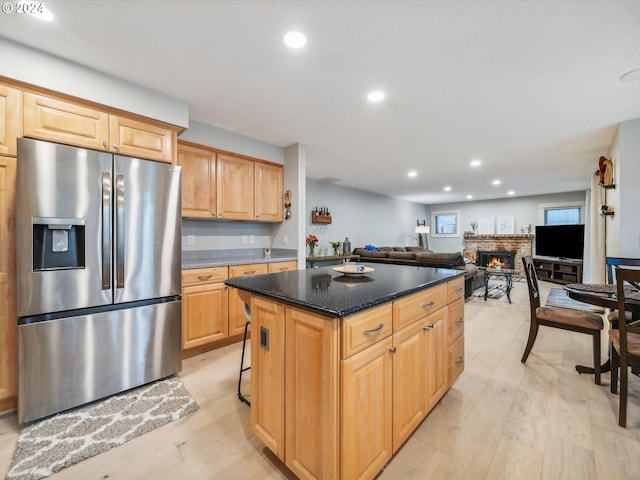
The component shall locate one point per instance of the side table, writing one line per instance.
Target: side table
(507, 273)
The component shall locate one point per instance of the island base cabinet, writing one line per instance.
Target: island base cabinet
(268, 374)
(366, 412)
(312, 394)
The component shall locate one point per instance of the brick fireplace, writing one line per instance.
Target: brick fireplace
(517, 245)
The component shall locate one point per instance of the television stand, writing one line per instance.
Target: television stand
(558, 270)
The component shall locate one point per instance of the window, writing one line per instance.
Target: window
(561, 214)
(445, 224)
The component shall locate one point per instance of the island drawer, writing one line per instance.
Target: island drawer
(199, 276)
(455, 320)
(249, 269)
(455, 289)
(363, 329)
(407, 310)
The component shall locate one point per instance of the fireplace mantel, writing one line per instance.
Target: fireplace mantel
(525, 237)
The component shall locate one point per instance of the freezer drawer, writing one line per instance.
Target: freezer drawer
(71, 361)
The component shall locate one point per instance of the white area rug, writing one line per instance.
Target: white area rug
(48, 446)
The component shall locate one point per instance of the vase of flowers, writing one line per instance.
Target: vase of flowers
(311, 243)
(335, 244)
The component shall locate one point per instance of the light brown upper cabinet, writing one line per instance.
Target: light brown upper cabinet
(10, 115)
(226, 186)
(61, 121)
(268, 192)
(198, 181)
(235, 182)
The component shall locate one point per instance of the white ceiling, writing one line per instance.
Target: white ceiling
(530, 87)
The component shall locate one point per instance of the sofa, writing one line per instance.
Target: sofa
(417, 256)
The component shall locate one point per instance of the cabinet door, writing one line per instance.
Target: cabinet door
(63, 122)
(366, 412)
(204, 314)
(10, 119)
(283, 266)
(312, 394)
(235, 185)
(237, 318)
(435, 367)
(142, 140)
(198, 182)
(268, 374)
(409, 381)
(269, 201)
(8, 320)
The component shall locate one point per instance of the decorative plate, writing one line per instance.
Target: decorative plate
(354, 269)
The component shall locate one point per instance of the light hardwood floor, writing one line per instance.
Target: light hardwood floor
(500, 420)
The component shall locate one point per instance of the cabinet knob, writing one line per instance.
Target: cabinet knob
(115, 145)
(104, 144)
(393, 349)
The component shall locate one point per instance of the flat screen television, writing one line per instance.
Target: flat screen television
(563, 241)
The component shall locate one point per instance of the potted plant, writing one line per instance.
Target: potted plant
(335, 244)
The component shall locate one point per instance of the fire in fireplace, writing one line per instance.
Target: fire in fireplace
(494, 259)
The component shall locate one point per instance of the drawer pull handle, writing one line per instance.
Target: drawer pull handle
(430, 304)
(428, 327)
(393, 349)
(204, 277)
(459, 289)
(250, 272)
(460, 360)
(374, 330)
(460, 320)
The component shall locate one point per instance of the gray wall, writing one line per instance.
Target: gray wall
(37, 68)
(623, 228)
(232, 142)
(524, 209)
(366, 218)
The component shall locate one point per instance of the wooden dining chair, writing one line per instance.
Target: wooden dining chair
(612, 262)
(625, 340)
(559, 317)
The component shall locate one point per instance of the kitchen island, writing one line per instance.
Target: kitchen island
(345, 368)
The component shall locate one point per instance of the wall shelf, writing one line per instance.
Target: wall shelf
(315, 218)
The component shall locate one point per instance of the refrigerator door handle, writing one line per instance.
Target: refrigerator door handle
(106, 230)
(120, 231)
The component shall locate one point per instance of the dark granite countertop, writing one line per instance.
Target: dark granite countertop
(224, 257)
(328, 292)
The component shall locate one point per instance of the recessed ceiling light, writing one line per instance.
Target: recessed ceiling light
(476, 163)
(375, 96)
(511, 192)
(295, 40)
(469, 197)
(412, 174)
(632, 75)
(496, 182)
(447, 188)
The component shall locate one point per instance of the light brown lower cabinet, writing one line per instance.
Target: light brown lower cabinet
(212, 313)
(204, 306)
(355, 388)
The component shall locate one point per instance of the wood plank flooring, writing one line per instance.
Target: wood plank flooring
(501, 419)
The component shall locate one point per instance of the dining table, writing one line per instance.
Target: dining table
(603, 295)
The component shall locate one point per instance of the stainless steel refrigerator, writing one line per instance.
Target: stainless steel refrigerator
(98, 268)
